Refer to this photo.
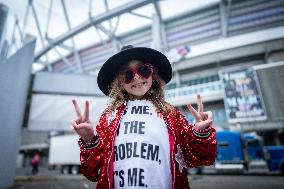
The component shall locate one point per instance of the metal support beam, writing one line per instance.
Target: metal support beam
(40, 33)
(104, 43)
(48, 17)
(225, 6)
(158, 11)
(37, 22)
(101, 39)
(164, 44)
(13, 37)
(17, 27)
(13, 41)
(156, 34)
(140, 15)
(111, 36)
(116, 25)
(26, 17)
(66, 61)
(75, 51)
(90, 8)
(267, 54)
(96, 20)
(177, 78)
(107, 9)
(111, 33)
(66, 47)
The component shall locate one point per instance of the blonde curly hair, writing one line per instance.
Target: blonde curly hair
(155, 94)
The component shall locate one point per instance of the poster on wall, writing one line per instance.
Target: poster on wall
(242, 95)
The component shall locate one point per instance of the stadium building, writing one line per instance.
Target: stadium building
(231, 52)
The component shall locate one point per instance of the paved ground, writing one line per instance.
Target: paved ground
(236, 182)
(196, 182)
(54, 180)
(58, 182)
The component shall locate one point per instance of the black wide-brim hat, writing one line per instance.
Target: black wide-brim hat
(112, 66)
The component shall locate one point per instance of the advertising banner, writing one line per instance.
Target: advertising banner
(242, 95)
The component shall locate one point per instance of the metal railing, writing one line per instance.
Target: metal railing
(206, 90)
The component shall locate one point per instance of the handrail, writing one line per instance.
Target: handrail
(204, 88)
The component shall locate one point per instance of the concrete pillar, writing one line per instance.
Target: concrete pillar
(15, 75)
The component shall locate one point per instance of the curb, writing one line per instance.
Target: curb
(47, 177)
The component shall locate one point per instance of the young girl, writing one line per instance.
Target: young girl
(141, 141)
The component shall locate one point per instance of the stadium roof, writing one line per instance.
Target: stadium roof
(56, 18)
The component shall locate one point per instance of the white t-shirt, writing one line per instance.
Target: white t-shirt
(141, 151)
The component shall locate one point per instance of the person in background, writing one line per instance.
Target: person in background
(142, 141)
(35, 163)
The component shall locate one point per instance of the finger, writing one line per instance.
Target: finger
(86, 113)
(194, 113)
(83, 125)
(204, 116)
(74, 125)
(85, 128)
(209, 115)
(203, 124)
(199, 103)
(77, 109)
(72, 128)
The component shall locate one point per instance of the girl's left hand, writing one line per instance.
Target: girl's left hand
(203, 120)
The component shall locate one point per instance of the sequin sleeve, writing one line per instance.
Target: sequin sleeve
(91, 153)
(198, 147)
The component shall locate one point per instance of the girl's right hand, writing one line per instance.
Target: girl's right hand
(82, 124)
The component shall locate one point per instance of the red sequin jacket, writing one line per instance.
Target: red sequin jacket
(188, 148)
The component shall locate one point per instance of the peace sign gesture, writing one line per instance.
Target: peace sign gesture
(202, 119)
(82, 124)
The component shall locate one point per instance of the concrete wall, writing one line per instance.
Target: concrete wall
(71, 84)
(271, 77)
(14, 83)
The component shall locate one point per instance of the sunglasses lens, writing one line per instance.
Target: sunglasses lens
(145, 71)
(128, 76)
